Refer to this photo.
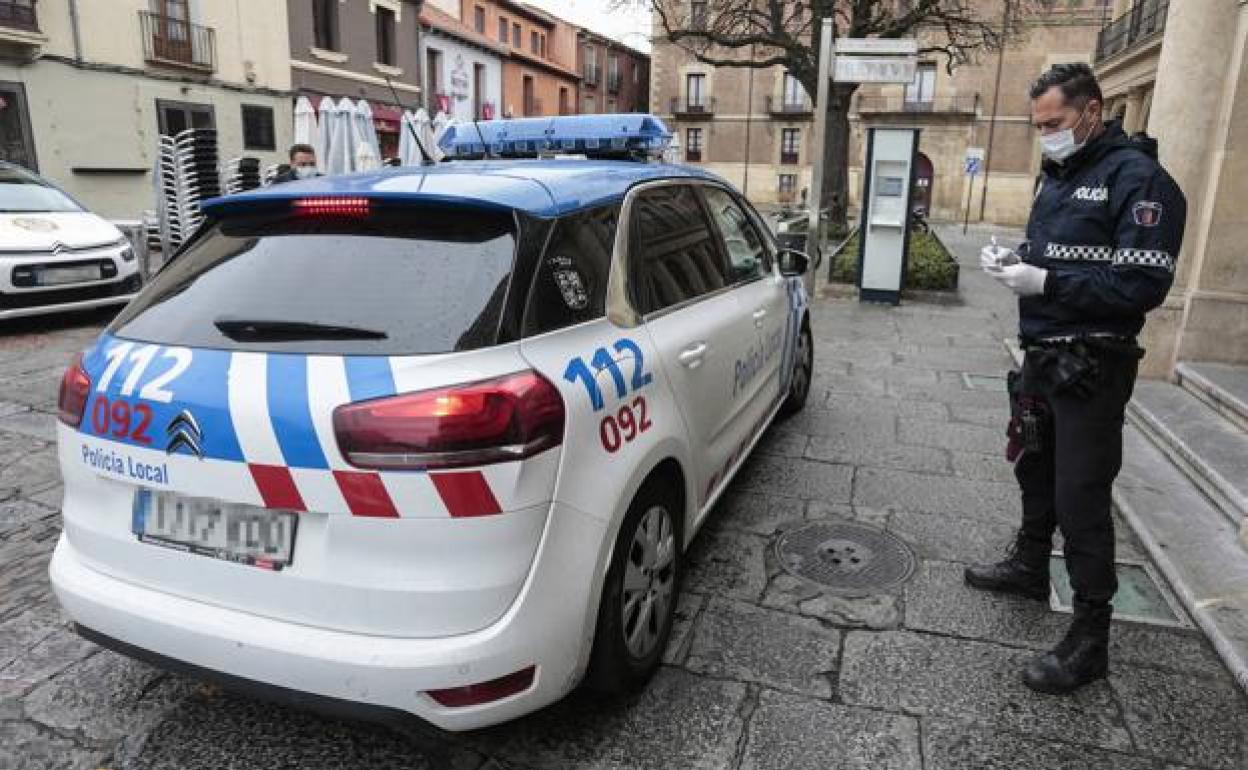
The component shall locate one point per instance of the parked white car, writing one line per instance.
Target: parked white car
(54, 254)
(428, 440)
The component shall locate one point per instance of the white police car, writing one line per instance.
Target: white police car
(54, 254)
(428, 440)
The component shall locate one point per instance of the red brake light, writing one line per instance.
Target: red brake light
(319, 207)
(499, 420)
(75, 390)
(485, 692)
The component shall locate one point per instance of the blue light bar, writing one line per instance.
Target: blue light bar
(622, 135)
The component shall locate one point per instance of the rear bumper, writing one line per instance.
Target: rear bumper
(550, 625)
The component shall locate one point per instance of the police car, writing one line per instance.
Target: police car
(54, 254)
(429, 440)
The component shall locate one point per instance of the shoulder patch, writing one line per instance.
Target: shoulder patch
(1146, 213)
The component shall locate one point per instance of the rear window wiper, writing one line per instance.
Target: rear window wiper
(268, 330)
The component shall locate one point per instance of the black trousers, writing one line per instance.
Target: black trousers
(1068, 484)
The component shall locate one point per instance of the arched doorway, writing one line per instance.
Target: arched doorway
(923, 174)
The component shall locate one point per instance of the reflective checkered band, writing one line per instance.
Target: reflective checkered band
(1144, 258)
(1079, 253)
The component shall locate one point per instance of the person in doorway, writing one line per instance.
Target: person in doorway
(302, 164)
(1102, 241)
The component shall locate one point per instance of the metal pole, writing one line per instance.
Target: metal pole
(749, 113)
(817, 148)
(970, 193)
(992, 126)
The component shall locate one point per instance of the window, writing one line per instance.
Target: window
(612, 106)
(478, 19)
(433, 79)
(543, 46)
(175, 117)
(531, 106)
(788, 184)
(325, 24)
(535, 43)
(919, 91)
(790, 140)
(695, 92)
(794, 93)
(515, 34)
(564, 107)
(693, 145)
(17, 143)
(588, 107)
(502, 29)
(570, 284)
(385, 36)
(258, 131)
(591, 65)
(747, 257)
(697, 14)
(677, 258)
(432, 281)
(613, 72)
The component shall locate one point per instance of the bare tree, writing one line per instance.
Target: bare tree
(766, 33)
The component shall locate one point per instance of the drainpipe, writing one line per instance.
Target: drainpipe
(74, 27)
(992, 126)
(749, 116)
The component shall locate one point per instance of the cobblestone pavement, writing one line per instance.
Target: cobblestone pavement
(763, 671)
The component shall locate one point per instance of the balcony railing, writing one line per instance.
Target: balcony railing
(591, 73)
(945, 105)
(167, 40)
(19, 15)
(1145, 19)
(789, 109)
(685, 109)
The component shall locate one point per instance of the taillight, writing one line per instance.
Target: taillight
(320, 207)
(509, 418)
(75, 390)
(485, 692)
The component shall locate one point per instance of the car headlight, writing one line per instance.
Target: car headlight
(127, 254)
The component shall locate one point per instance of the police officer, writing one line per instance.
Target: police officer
(1104, 233)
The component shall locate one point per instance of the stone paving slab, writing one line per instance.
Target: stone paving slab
(759, 514)
(792, 594)
(952, 745)
(796, 478)
(928, 675)
(983, 467)
(906, 491)
(726, 563)
(688, 607)
(26, 746)
(742, 642)
(1181, 718)
(945, 537)
(961, 437)
(854, 450)
(793, 733)
(679, 721)
(38, 425)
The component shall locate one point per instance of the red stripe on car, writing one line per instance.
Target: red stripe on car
(277, 487)
(466, 493)
(365, 494)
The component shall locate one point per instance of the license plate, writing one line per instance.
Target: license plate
(53, 276)
(245, 534)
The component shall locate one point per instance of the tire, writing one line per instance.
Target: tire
(803, 372)
(628, 648)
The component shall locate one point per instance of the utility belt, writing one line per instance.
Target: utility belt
(1057, 365)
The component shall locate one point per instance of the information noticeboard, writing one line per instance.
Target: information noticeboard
(884, 230)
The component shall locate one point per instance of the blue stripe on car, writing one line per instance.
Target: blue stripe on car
(369, 377)
(287, 385)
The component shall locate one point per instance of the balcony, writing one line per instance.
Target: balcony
(788, 158)
(19, 30)
(591, 73)
(945, 105)
(789, 110)
(1145, 20)
(613, 82)
(683, 109)
(178, 43)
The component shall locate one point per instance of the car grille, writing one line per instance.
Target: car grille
(14, 301)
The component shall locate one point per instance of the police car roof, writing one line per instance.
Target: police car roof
(543, 188)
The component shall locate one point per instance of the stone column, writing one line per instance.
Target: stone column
(1187, 110)
(1133, 121)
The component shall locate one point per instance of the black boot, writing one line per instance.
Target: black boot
(1080, 658)
(1025, 571)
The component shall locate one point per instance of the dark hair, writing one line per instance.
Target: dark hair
(295, 149)
(1076, 79)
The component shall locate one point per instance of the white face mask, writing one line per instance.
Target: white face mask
(1060, 145)
(306, 172)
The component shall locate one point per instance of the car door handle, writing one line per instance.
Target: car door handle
(759, 315)
(692, 355)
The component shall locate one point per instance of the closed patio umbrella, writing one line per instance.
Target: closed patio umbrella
(324, 128)
(305, 122)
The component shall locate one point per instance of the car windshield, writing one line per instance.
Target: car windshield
(23, 192)
(400, 281)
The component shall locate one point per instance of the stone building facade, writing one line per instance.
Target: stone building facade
(614, 77)
(86, 89)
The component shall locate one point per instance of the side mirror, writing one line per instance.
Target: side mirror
(793, 262)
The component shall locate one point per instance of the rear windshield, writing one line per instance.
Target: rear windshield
(399, 281)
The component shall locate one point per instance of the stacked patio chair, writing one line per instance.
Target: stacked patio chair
(241, 174)
(186, 175)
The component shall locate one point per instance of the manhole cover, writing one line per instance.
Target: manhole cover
(1140, 596)
(846, 557)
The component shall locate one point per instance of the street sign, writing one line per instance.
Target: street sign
(874, 69)
(974, 161)
(878, 46)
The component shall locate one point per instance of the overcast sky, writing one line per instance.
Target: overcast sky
(629, 24)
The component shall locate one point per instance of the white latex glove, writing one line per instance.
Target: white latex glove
(993, 257)
(1023, 279)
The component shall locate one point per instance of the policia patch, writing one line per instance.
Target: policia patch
(1146, 213)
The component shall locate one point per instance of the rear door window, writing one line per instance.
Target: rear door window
(747, 256)
(401, 280)
(673, 251)
(570, 284)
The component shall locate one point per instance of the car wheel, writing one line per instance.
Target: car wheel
(803, 372)
(638, 595)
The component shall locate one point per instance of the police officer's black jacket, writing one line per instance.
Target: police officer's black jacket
(1107, 225)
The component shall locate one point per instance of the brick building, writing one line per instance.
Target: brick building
(614, 77)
